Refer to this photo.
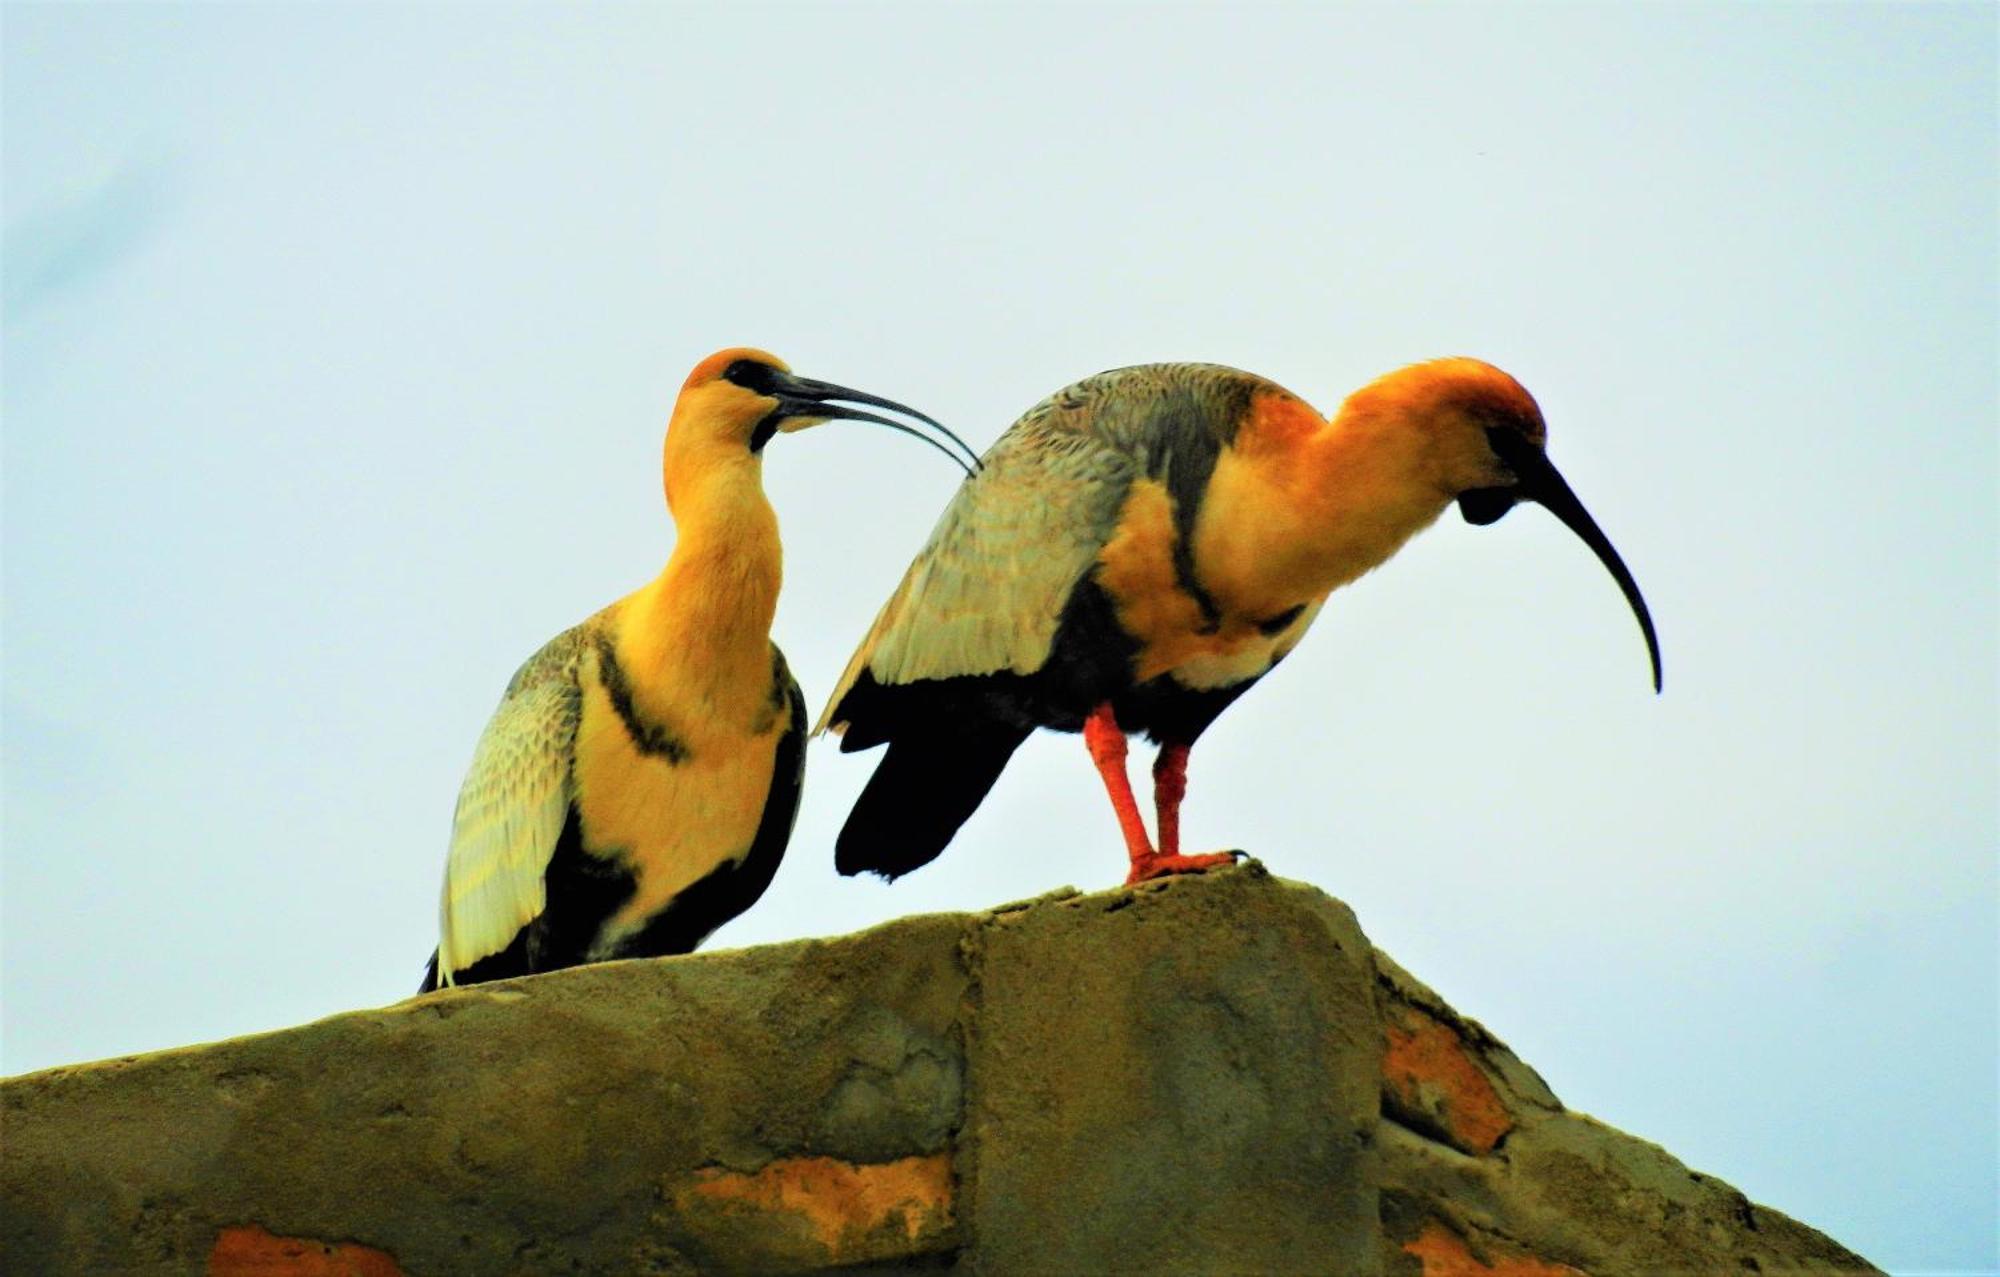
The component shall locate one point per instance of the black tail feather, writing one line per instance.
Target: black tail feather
(922, 791)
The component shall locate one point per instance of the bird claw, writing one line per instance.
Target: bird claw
(1146, 868)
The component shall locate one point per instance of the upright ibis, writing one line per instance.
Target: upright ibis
(637, 785)
(1140, 548)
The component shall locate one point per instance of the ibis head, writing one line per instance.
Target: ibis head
(1488, 449)
(743, 397)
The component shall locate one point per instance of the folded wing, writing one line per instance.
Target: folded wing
(986, 592)
(511, 809)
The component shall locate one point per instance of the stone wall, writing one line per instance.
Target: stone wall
(1203, 1075)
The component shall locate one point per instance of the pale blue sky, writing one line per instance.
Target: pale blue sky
(338, 344)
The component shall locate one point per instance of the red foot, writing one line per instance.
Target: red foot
(1145, 868)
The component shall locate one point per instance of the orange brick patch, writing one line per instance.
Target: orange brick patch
(844, 1206)
(1430, 1074)
(1444, 1253)
(249, 1250)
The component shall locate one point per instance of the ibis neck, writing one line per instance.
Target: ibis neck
(1365, 486)
(701, 630)
(1375, 491)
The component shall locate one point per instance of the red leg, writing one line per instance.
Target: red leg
(1106, 741)
(1169, 787)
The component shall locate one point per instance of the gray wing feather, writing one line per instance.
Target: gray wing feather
(987, 591)
(512, 808)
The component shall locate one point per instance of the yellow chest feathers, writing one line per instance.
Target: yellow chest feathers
(1284, 520)
(1230, 626)
(668, 795)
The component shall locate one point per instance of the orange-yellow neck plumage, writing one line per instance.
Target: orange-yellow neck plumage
(1301, 505)
(700, 631)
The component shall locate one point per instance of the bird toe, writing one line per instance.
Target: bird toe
(1147, 868)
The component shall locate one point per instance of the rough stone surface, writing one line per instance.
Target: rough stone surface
(1206, 1075)
(1134, 1053)
(553, 1122)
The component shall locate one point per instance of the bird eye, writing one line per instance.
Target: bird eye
(1511, 446)
(759, 378)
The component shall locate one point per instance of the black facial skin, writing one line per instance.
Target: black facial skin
(1482, 506)
(758, 378)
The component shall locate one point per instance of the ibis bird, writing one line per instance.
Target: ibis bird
(637, 785)
(1135, 552)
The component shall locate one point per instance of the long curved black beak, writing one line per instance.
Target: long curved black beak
(806, 401)
(1541, 483)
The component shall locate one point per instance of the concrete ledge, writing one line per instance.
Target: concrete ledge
(1205, 1075)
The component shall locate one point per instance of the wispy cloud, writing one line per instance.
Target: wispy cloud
(83, 233)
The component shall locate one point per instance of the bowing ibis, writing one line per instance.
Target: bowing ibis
(1137, 551)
